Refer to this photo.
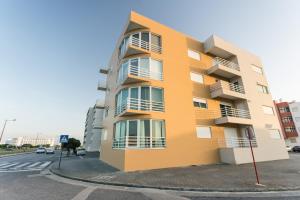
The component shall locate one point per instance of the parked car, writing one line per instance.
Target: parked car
(40, 150)
(296, 149)
(49, 151)
(80, 152)
(288, 148)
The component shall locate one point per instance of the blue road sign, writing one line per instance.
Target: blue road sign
(63, 139)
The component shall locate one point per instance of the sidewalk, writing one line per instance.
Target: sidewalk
(276, 175)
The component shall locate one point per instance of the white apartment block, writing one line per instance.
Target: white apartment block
(295, 111)
(19, 141)
(93, 127)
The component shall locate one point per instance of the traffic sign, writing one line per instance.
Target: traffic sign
(64, 139)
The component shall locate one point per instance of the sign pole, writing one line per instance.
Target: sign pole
(60, 156)
(250, 137)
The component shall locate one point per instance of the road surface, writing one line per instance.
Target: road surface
(26, 177)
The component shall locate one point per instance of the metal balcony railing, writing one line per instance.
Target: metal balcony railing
(139, 142)
(226, 63)
(237, 142)
(139, 104)
(227, 86)
(144, 45)
(234, 112)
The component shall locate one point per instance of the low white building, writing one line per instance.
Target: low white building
(19, 141)
(295, 110)
(93, 127)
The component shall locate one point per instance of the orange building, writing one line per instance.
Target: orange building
(172, 101)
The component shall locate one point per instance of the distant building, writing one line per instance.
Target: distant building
(289, 117)
(33, 141)
(93, 127)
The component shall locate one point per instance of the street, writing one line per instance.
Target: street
(26, 177)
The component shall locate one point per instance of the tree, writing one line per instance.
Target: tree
(72, 144)
(27, 146)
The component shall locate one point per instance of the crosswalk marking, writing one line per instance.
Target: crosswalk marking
(25, 166)
(9, 165)
(45, 164)
(33, 165)
(22, 165)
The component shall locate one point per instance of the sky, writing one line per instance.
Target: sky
(51, 51)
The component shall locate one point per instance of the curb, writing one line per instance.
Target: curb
(14, 154)
(182, 189)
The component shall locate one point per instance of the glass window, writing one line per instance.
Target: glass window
(144, 133)
(257, 69)
(268, 110)
(196, 77)
(193, 54)
(262, 89)
(156, 69)
(145, 36)
(144, 65)
(157, 94)
(274, 133)
(203, 132)
(156, 40)
(201, 103)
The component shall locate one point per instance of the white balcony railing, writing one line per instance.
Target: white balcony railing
(139, 104)
(139, 142)
(234, 112)
(226, 63)
(237, 142)
(227, 86)
(138, 71)
(144, 45)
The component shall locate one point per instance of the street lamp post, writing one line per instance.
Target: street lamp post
(7, 120)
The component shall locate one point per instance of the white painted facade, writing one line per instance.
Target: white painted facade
(295, 110)
(33, 141)
(93, 127)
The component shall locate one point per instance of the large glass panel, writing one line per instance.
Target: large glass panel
(155, 39)
(134, 98)
(145, 40)
(134, 66)
(157, 99)
(124, 70)
(158, 133)
(144, 133)
(132, 133)
(156, 69)
(136, 39)
(123, 130)
(144, 67)
(117, 131)
(145, 97)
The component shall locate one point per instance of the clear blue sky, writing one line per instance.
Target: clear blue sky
(51, 50)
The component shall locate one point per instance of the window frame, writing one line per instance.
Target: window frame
(198, 132)
(201, 102)
(194, 54)
(194, 75)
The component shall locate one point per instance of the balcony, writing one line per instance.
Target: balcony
(231, 115)
(133, 46)
(138, 74)
(133, 106)
(104, 70)
(100, 103)
(235, 150)
(102, 85)
(224, 68)
(139, 142)
(227, 90)
(98, 123)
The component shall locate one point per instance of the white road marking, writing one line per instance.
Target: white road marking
(9, 165)
(84, 194)
(3, 164)
(45, 164)
(33, 165)
(22, 165)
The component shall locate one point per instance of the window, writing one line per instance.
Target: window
(144, 133)
(274, 134)
(284, 109)
(201, 103)
(268, 110)
(287, 119)
(193, 54)
(203, 132)
(140, 98)
(196, 77)
(262, 89)
(257, 69)
(144, 67)
(290, 129)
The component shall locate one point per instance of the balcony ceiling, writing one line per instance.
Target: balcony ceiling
(133, 26)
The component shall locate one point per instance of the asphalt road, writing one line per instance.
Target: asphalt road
(26, 177)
